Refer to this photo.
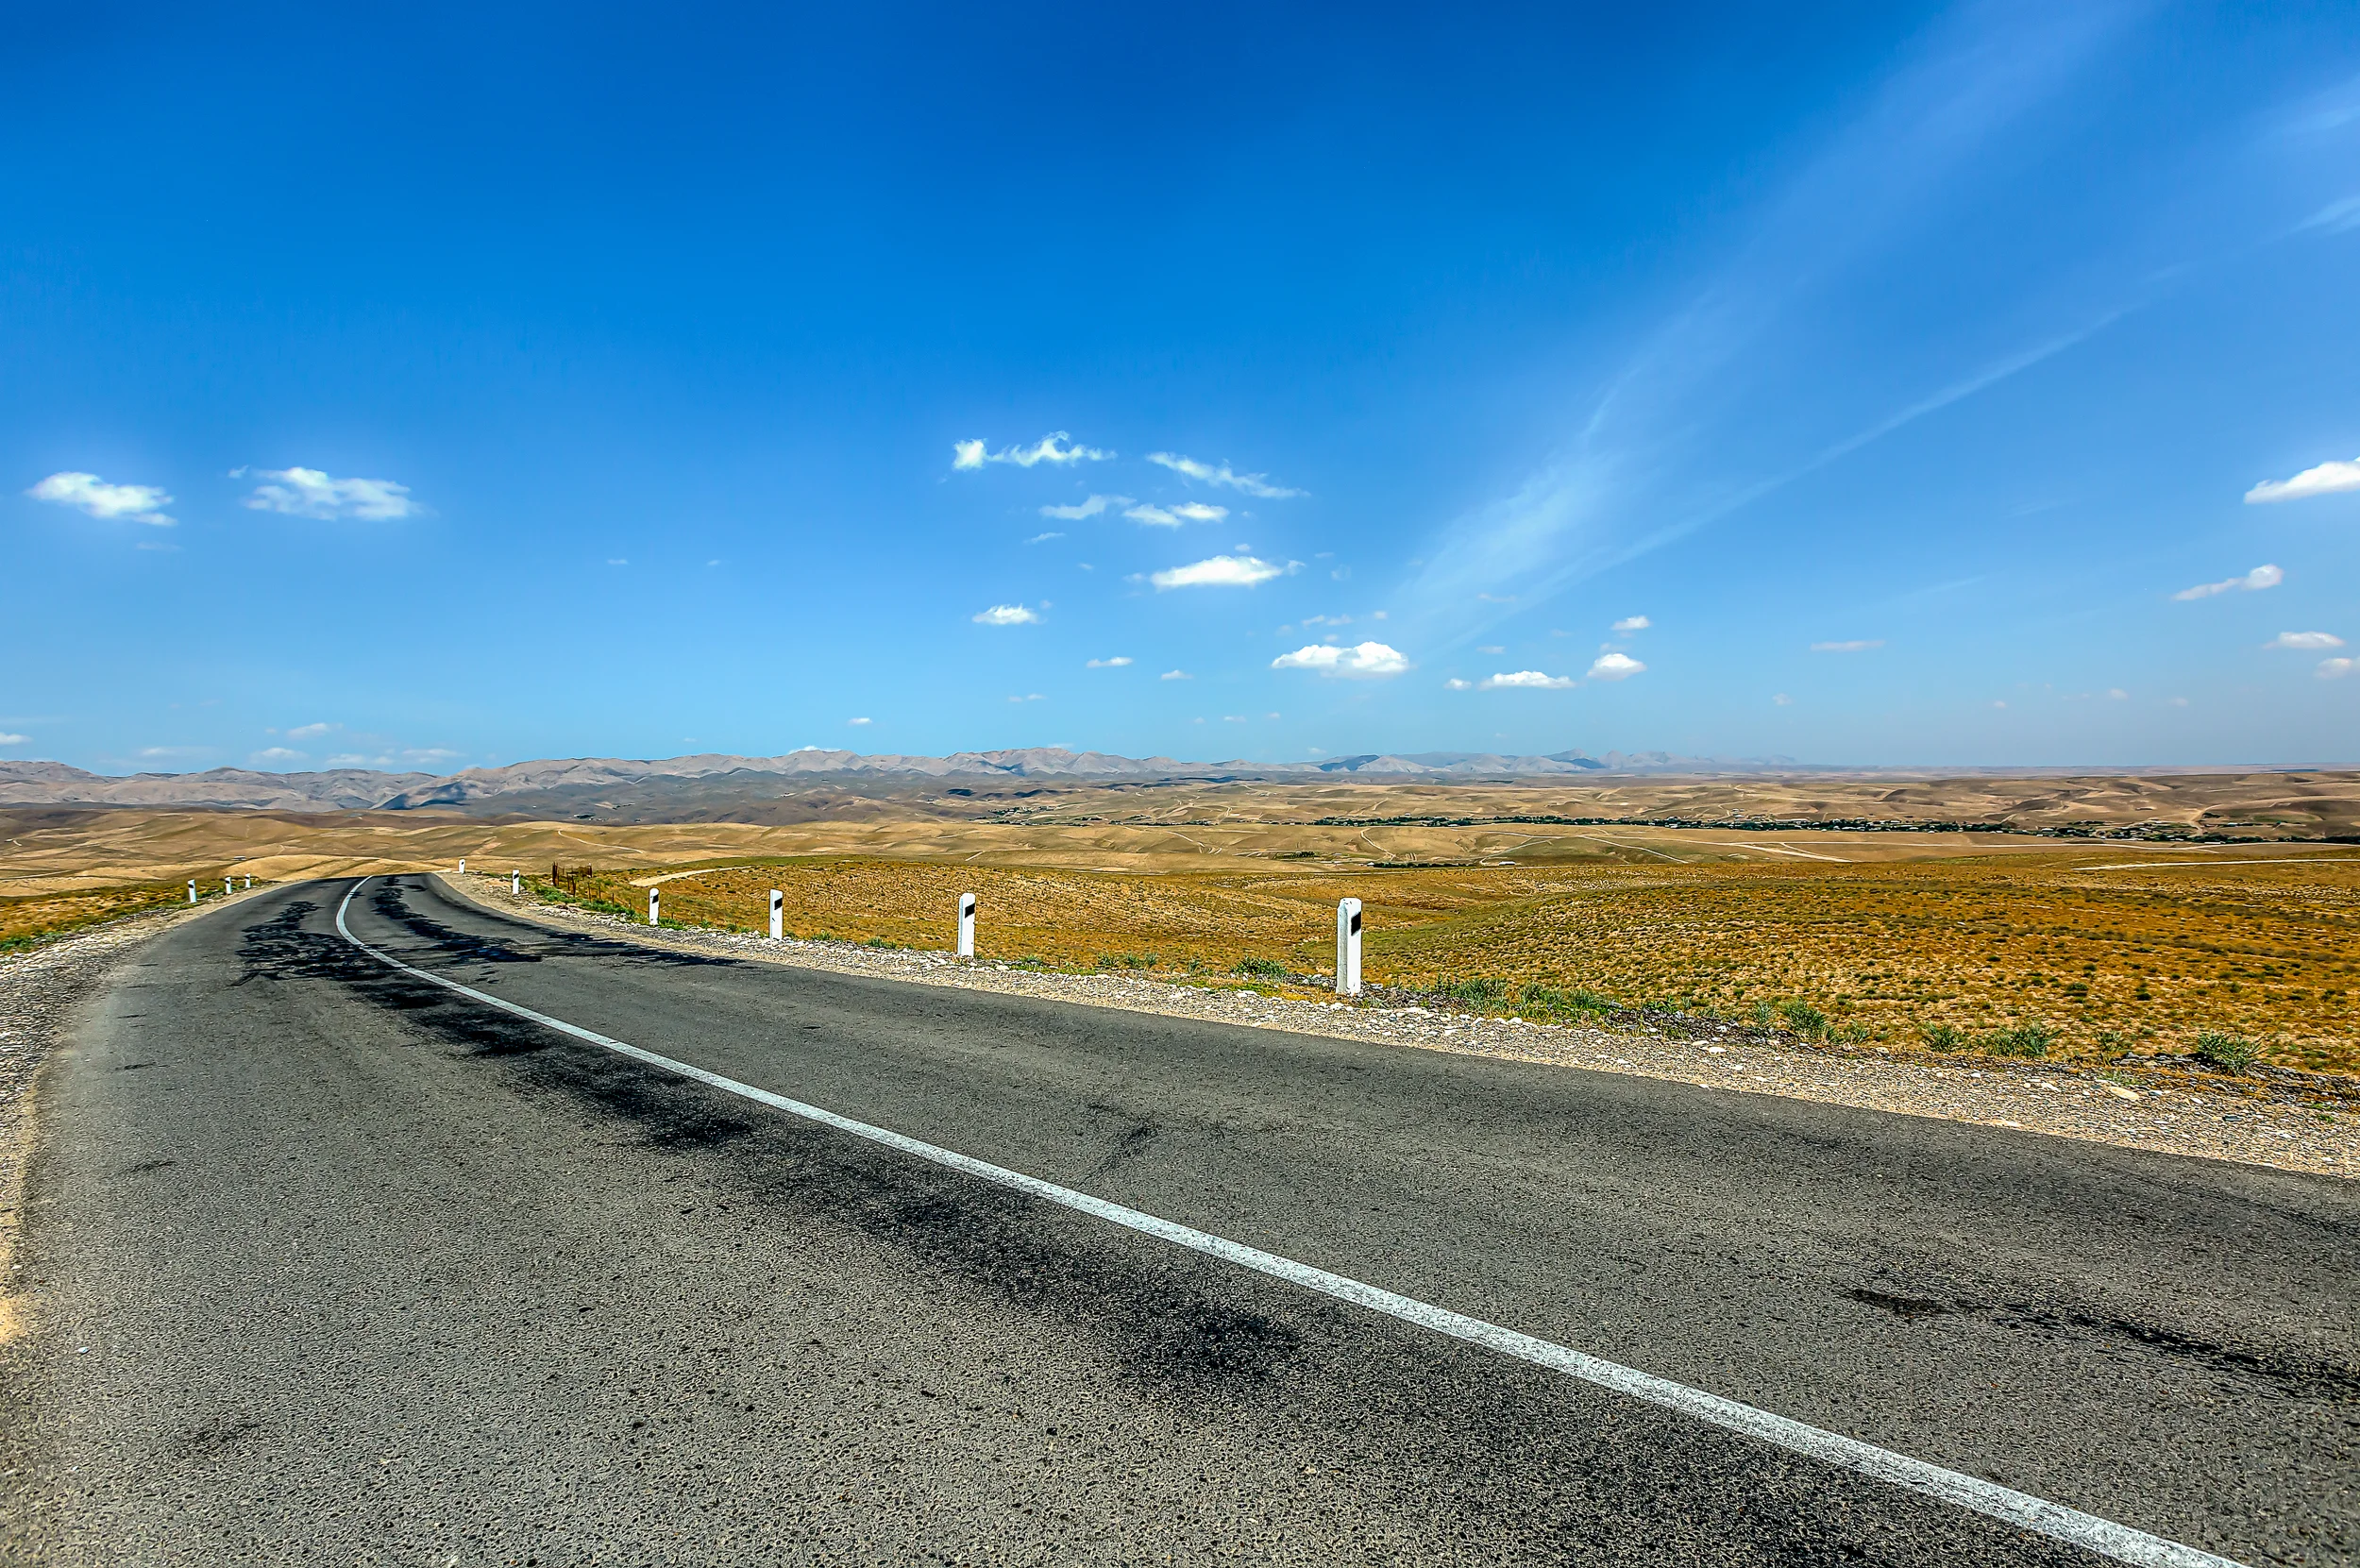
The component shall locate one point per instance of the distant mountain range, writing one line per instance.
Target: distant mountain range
(612, 781)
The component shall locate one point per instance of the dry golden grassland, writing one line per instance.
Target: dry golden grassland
(2107, 952)
(2115, 947)
(25, 921)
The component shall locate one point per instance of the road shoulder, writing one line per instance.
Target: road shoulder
(2188, 1119)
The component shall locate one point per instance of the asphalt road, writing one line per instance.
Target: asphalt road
(331, 1265)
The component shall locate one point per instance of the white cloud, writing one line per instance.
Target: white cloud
(309, 493)
(1493, 649)
(2260, 577)
(13, 740)
(855, 723)
(1781, 700)
(2325, 480)
(1043, 538)
(354, 759)
(618, 561)
(171, 750)
(1175, 675)
(1220, 571)
(429, 753)
(1187, 512)
(1455, 684)
(1527, 680)
(971, 454)
(2116, 694)
(1253, 485)
(1081, 509)
(1116, 663)
(1857, 646)
(1327, 620)
(1614, 667)
(1633, 623)
(1006, 614)
(1028, 697)
(277, 754)
(2306, 640)
(310, 732)
(139, 503)
(1362, 659)
(2332, 669)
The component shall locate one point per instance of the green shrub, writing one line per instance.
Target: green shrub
(2028, 1039)
(1805, 1020)
(1942, 1037)
(2226, 1052)
(1128, 960)
(1478, 992)
(1764, 1014)
(1550, 999)
(1260, 968)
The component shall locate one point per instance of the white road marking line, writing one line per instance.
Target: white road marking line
(2086, 1530)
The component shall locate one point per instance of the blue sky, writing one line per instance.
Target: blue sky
(1865, 383)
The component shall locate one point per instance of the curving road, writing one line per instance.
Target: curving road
(334, 1263)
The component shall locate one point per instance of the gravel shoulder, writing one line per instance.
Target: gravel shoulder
(2172, 1114)
(38, 991)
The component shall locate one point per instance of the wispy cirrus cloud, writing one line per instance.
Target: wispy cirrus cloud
(2327, 479)
(1857, 645)
(1221, 473)
(89, 494)
(1187, 512)
(1361, 660)
(1006, 614)
(310, 493)
(2253, 581)
(1116, 663)
(1081, 511)
(1055, 448)
(1218, 572)
(1724, 404)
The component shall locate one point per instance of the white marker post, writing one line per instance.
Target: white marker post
(249, 880)
(966, 925)
(656, 903)
(463, 865)
(1348, 947)
(778, 916)
(516, 883)
(229, 886)
(191, 889)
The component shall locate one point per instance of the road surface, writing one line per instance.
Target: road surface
(332, 1264)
